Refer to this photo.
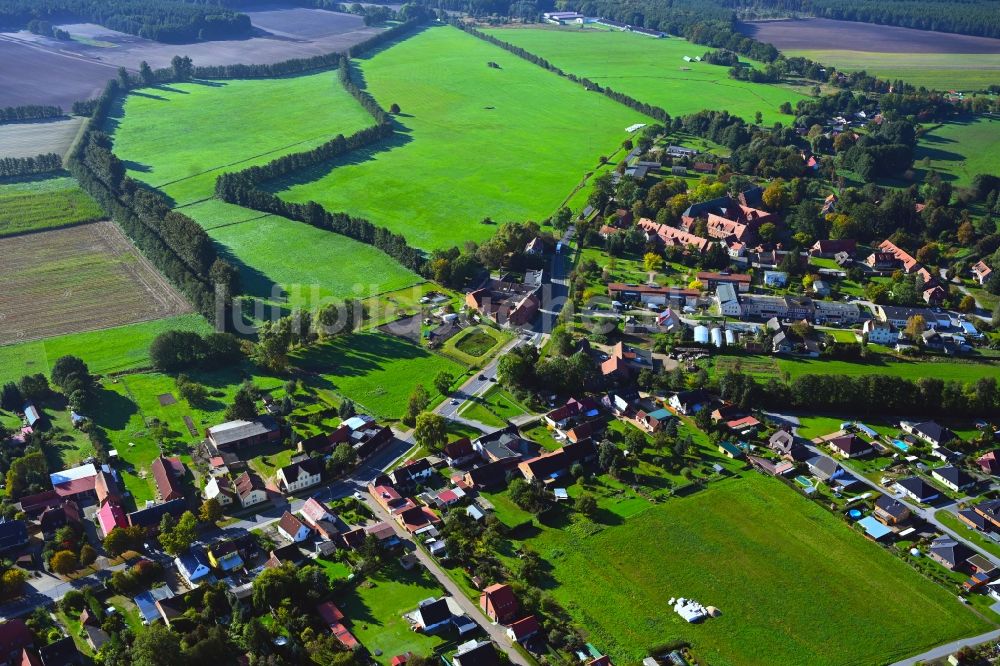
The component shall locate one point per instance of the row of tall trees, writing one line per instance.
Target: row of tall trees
(13, 114)
(169, 21)
(177, 245)
(28, 166)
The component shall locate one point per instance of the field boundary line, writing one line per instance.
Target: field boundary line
(58, 227)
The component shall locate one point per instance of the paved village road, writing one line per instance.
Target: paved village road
(942, 651)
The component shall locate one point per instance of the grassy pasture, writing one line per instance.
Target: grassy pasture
(652, 70)
(959, 150)
(33, 205)
(376, 370)
(179, 138)
(473, 141)
(941, 71)
(885, 365)
(756, 550)
(473, 345)
(59, 281)
(108, 350)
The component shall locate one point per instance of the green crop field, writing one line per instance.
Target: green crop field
(791, 580)
(376, 370)
(473, 142)
(109, 350)
(941, 71)
(959, 150)
(179, 138)
(34, 205)
(652, 71)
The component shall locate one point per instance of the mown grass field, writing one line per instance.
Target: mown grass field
(474, 345)
(78, 279)
(108, 350)
(959, 150)
(794, 583)
(375, 607)
(882, 365)
(34, 205)
(941, 71)
(473, 142)
(653, 71)
(375, 370)
(179, 138)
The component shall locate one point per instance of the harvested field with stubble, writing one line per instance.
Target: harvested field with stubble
(78, 279)
(943, 61)
(30, 139)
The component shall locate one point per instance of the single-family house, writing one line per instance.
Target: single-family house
(553, 464)
(953, 478)
(890, 511)
(412, 473)
(432, 615)
(990, 462)
(168, 473)
(523, 629)
(829, 248)
(54, 517)
(300, 475)
(110, 516)
(476, 653)
(775, 279)
(146, 603)
(880, 332)
(194, 567)
(250, 489)
(690, 402)
(318, 516)
(950, 553)
(499, 603)
(933, 433)
(228, 555)
(850, 446)
(416, 518)
(981, 272)
(654, 421)
(14, 637)
(220, 488)
(62, 652)
(487, 476)
(917, 489)
(730, 450)
(459, 452)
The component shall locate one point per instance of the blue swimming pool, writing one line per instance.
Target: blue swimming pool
(901, 445)
(803, 481)
(854, 514)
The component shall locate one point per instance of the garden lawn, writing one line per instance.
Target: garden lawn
(475, 344)
(375, 370)
(961, 149)
(105, 351)
(374, 610)
(653, 71)
(790, 579)
(33, 205)
(941, 71)
(180, 138)
(472, 142)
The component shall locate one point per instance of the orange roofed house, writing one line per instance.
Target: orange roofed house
(499, 603)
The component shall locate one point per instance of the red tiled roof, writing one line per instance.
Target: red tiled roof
(290, 524)
(75, 487)
(526, 626)
(166, 474)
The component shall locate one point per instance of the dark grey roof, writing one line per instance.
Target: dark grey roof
(893, 507)
(954, 475)
(434, 612)
(934, 431)
(824, 467)
(61, 653)
(236, 431)
(481, 654)
(13, 533)
(918, 487)
(311, 467)
(951, 551)
(150, 517)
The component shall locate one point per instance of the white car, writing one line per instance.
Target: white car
(358, 496)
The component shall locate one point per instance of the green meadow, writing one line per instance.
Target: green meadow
(375, 370)
(961, 149)
(36, 204)
(794, 584)
(472, 142)
(940, 71)
(105, 351)
(652, 70)
(179, 138)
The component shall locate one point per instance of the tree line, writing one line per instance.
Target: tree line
(176, 245)
(168, 21)
(11, 167)
(14, 114)
(867, 394)
(967, 17)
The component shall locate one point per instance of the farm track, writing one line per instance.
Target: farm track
(76, 279)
